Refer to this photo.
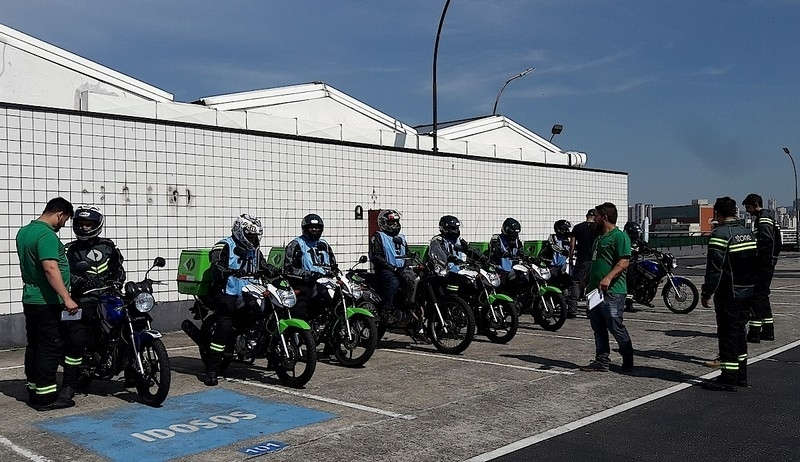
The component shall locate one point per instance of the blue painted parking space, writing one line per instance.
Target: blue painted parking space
(187, 424)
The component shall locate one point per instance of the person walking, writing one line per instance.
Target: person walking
(768, 240)
(610, 257)
(45, 273)
(730, 278)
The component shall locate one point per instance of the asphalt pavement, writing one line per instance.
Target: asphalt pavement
(526, 400)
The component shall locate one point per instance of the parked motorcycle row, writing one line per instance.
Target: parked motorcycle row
(445, 307)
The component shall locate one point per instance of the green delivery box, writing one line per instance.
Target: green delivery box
(194, 272)
(482, 247)
(532, 248)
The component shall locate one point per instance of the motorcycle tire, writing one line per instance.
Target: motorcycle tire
(356, 350)
(552, 311)
(153, 385)
(504, 328)
(296, 366)
(684, 299)
(456, 333)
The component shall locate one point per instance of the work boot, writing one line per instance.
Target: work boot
(211, 379)
(58, 403)
(768, 332)
(719, 384)
(67, 393)
(629, 306)
(754, 335)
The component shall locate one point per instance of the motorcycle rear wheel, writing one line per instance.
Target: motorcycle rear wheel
(296, 366)
(505, 327)
(356, 350)
(682, 301)
(456, 333)
(552, 311)
(153, 385)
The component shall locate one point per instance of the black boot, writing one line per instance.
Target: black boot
(741, 380)
(768, 332)
(754, 335)
(211, 379)
(720, 383)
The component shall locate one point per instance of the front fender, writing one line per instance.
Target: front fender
(353, 310)
(284, 324)
(146, 335)
(551, 289)
(504, 297)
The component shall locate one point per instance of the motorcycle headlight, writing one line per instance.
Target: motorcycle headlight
(440, 270)
(544, 272)
(355, 291)
(144, 302)
(287, 297)
(493, 279)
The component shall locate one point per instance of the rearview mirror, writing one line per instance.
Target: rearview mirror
(160, 262)
(362, 259)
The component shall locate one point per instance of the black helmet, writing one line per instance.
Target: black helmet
(389, 222)
(562, 228)
(87, 222)
(511, 228)
(312, 226)
(633, 230)
(449, 227)
(247, 231)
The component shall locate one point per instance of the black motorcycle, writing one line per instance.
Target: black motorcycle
(679, 294)
(122, 338)
(263, 328)
(426, 311)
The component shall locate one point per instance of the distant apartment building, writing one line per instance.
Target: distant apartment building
(638, 212)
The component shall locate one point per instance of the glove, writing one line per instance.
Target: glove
(270, 271)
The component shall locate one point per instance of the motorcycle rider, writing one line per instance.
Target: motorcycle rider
(236, 261)
(387, 249)
(307, 258)
(506, 247)
(103, 267)
(768, 235)
(556, 251)
(443, 249)
(638, 247)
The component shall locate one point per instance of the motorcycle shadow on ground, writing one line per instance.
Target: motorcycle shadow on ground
(17, 389)
(686, 333)
(257, 371)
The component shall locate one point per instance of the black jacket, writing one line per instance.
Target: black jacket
(731, 265)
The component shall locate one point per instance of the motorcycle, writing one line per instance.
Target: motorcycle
(679, 293)
(122, 339)
(495, 314)
(350, 331)
(427, 312)
(528, 285)
(263, 328)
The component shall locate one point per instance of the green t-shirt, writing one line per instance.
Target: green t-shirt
(607, 251)
(36, 242)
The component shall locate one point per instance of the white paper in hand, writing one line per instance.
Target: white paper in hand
(594, 298)
(65, 316)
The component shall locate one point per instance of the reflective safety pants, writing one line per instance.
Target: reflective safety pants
(732, 314)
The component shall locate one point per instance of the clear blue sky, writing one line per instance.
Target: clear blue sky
(693, 99)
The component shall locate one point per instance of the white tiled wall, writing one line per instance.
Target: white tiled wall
(166, 187)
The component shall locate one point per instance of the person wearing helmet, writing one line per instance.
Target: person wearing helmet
(236, 261)
(307, 258)
(102, 267)
(505, 247)
(639, 247)
(556, 251)
(387, 252)
(448, 248)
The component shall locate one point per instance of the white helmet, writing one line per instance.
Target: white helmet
(247, 231)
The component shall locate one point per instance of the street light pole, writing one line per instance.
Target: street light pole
(496, 100)
(436, 55)
(794, 203)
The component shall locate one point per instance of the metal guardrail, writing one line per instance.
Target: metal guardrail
(667, 240)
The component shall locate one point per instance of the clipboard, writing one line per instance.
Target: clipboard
(594, 298)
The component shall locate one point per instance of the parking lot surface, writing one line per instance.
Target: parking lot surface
(519, 401)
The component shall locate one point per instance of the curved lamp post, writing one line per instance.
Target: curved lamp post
(795, 204)
(435, 55)
(496, 100)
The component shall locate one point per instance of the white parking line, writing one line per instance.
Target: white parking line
(24, 452)
(672, 323)
(324, 399)
(531, 440)
(467, 360)
(568, 337)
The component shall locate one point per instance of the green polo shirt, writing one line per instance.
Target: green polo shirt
(36, 242)
(608, 249)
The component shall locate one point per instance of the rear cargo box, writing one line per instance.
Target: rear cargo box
(194, 272)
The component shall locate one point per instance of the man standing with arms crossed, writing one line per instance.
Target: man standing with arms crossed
(45, 270)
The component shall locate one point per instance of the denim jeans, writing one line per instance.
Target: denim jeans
(607, 317)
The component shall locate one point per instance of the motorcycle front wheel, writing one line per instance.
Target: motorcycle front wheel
(552, 311)
(356, 349)
(455, 334)
(296, 363)
(682, 298)
(153, 384)
(501, 326)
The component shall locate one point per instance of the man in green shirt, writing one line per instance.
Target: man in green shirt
(45, 271)
(610, 257)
